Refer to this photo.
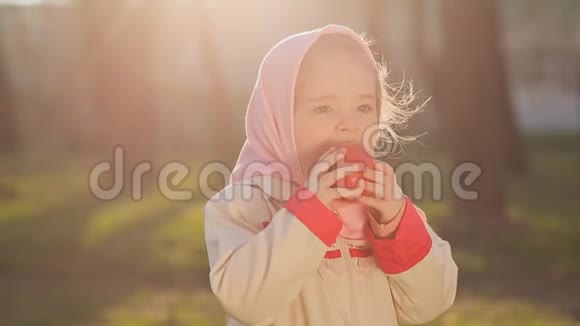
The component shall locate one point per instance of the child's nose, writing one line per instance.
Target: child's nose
(346, 123)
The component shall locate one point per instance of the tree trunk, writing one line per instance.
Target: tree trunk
(512, 147)
(8, 130)
(465, 85)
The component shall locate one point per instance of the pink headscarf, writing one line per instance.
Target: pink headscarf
(270, 119)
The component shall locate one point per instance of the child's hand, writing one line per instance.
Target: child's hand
(387, 199)
(322, 179)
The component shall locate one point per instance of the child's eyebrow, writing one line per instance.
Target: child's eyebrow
(334, 97)
(367, 96)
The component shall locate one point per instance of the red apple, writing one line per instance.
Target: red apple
(355, 153)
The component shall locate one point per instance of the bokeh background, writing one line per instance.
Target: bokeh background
(170, 80)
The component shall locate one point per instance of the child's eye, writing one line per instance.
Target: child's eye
(365, 108)
(322, 109)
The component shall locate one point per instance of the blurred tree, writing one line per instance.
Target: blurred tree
(470, 93)
(8, 132)
(512, 149)
(119, 55)
(220, 140)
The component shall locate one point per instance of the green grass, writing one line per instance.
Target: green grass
(24, 196)
(68, 259)
(483, 312)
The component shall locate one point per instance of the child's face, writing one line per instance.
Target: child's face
(335, 98)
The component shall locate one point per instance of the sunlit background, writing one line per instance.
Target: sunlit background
(170, 80)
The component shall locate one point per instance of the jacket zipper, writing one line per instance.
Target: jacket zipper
(353, 309)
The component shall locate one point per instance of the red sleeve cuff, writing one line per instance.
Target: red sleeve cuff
(409, 245)
(317, 217)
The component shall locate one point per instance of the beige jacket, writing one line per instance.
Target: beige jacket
(276, 260)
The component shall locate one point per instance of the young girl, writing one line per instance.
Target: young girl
(284, 246)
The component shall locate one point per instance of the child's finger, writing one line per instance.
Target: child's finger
(377, 190)
(328, 151)
(390, 178)
(397, 192)
(348, 193)
(327, 161)
(323, 165)
(334, 156)
(330, 178)
(375, 176)
(384, 167)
